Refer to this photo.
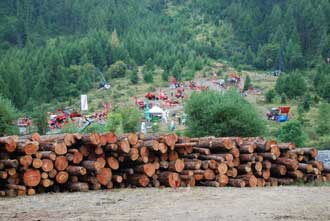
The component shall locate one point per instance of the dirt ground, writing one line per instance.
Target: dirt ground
(281, 203)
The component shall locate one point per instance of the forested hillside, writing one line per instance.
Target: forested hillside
(49, 48)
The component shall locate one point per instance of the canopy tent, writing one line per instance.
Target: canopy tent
(156, 111)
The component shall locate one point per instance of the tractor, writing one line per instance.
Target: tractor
(280, 114)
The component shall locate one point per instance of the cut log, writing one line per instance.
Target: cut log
(93, 138)
(16, 187)
(80, 187)
(312, 152)
(261, 182)
(211, 183)
(232, 172)
(289, 163)
(140, 180)
(46, 155)
(244, 158)
(44, 175)
(9, 143)
(124, 146)
(244, 168)
(222, 168)
(76, 170)
(62, 177)
(85, 150)
(111, 138)
(250, 180)
(37, 163)
(286, 146)
(91, 165)
(237, 182)
(217, 143)
(318, 164)
(235, 152)
(162, 147)
(148, 169)
(59, 148)
(104, 176)
(296, 174)
(173, 155)
(278, 170)
(201, 150)
(52, 174)
(61, 163)
(10, 163)
(282, 181)
(247, 148)
(32, 177)
(307, 168)
(212, 157)
(134, 154)
(3, 175)
(113, 163)
(266, 164)
(209, 174)
(117, 178)
(176, 166)
(257, 166)
(47, 165)
(268, 156)
(190, 164)
(223, 180)
(170, 179)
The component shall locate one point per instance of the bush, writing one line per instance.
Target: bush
(8, 116)
(292, 132)
(123, 120)
(117, 70)
(248, 83)
(292, 85)
(283, 98)
(148, 77)
(213, 113)
(95, 127)
(323, 119)
(134, 78)
(270, 95)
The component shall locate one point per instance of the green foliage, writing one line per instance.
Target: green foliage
(307, 102)
(148, 77)
(8, 116)
(70, 128)
(248, 83)
(213, 113)
(292, 132)
(131, 118)
(322, 82)
(292, 85)
(134, 78)
(124, 120)
(95, 127)
(115, 123)
(323, 119)
(284, 98)
(117, 70)
(270, 95)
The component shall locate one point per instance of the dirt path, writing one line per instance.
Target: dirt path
(282, 203)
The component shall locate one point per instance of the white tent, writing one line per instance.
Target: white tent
(157, 111)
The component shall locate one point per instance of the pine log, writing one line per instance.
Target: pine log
(62, 177)
(176, 166)
(237, 182)
(211, 183)
(85, 150)
(282, 181)
(37, 163)
(47, 165)
(312, 152)
(169, 179)
(266, 164)
(140, 180)
(173, 155)
(296, 174)
(222, 168)
(134, 154)
(278, 170)
(148, 169)
(76, 170)
(52, 174)
(59, 148)
(44, 175)
(250, 180)
(247, 148)
(93, 138)
(80, 187)
(46, 155)
(307, 168)
(9, 143)
(117, 178)
(232, 172)
(261, 182)
(31, 177)
(201, 150)
(190, 164)
(289, 163)
(3, 175)
(244, 158)
(91, 165)
(61, 163)
(244, 168)
(209, 174)
(286, 146)
(113, 163)
(217, 143)
(212, 157)
(124, 146)
(235, 152)
(104, 176)
(257, 166)
(10, 163)
(268, 156)
(318, 164)
(222, 179)
(98, 150)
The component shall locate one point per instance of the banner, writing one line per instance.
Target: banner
(84, 102)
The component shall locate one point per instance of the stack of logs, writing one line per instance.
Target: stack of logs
(74, 162)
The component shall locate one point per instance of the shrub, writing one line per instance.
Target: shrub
(117, 70)
(292, 85)
(323, 119)
(270, 95)
(292, 132)
(248, 83)
(213, 113)
(8, 116)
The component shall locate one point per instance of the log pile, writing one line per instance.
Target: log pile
(74, 162)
